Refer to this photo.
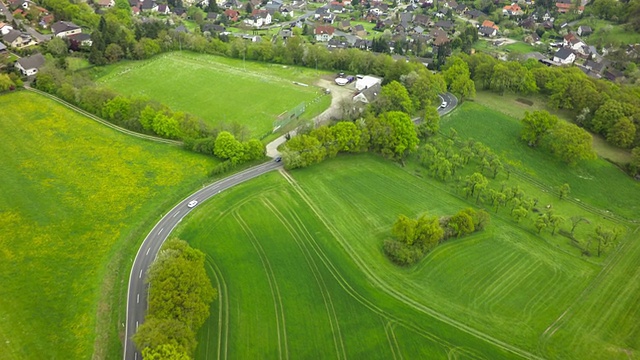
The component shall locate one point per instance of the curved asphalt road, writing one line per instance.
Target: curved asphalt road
(137, 293)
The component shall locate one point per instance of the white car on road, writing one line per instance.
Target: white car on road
(192, 203)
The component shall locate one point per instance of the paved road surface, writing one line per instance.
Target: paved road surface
(137, 293)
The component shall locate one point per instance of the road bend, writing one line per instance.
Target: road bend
(137, 293)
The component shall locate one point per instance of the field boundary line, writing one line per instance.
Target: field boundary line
(275, 291)
(102, 121)
(403, 298)
(324, 291)
(360, 298)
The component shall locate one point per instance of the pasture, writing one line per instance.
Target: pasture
(222, 91)
(307, 248)
(597, 183)
(77, 199)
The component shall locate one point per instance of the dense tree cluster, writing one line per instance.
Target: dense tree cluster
(180, 294)
(391, 134)
(414, 238)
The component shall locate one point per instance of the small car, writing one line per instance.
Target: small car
(278, 159)
(443, 105)
(192, 203)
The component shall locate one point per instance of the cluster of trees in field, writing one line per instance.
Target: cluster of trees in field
(567, 141)
(622, 12)
(601, 106)
(180, 294)
(473, 169)
(414, 238)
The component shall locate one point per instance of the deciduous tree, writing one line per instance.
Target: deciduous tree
(571, 143)
(536, 125)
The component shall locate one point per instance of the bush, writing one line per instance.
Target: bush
(401, 253)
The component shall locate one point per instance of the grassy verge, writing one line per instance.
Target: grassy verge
(76, 199)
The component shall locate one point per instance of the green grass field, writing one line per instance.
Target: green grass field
(220, 90)
(307, 248)
(597, 183)
(77, 199)
(607, 33)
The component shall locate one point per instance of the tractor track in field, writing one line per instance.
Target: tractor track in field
(355, 294)
(398, 296)
(273, 284)
(324, 291)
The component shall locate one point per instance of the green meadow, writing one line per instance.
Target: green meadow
(219, 90)
(299, 264)
(77, 199)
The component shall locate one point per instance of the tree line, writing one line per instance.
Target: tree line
(414, 238)
(180, 294)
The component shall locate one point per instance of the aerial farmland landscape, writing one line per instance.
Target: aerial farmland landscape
(346, 179)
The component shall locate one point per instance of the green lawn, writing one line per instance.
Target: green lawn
(77, 199)
(520, 48)
(299, 264)
(596, 183)
(220, 90)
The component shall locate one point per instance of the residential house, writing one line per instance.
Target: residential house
(163, 9)
(367, 81)
(213, 28)
(422, 20)
(564, 8)
(3, 48)
(320, 12)
(29, 66)
(78, 41)
(584, 30)
(487, 31)
(345, 25)
(564, 56)
(232, 15)
(273, 7)
(180, 11)
(329, 18)
(439, 37)
(149, 5)
(363, 44)
(451, 4)
(17, 39)
(418, 30)
(62, 29)
(5, 28)
(532, 38)
(442, 12)
(461, 9)
(336, 43)
(596, 67)
(336, 7)
(287, 11)
(613, 75)
(512, 10)
(446, 25)
(359, 30)
(22, 4)
(285, 34)
(105, 3)
(528, 23)
(258, 18)
(491, 24)
(405, 19)
(324, 33)
(46, 21)
(211, 16)
(475, 14)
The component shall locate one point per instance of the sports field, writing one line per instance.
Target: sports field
(299, 264)
(76, 199)
(219, 90)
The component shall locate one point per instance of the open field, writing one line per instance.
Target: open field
(219, 90)
(76, 201)
(597, 183)
(508, 104)
(269, 239)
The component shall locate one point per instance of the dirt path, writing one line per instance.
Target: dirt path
(338, 93)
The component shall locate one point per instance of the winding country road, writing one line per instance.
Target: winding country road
(137, 292)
